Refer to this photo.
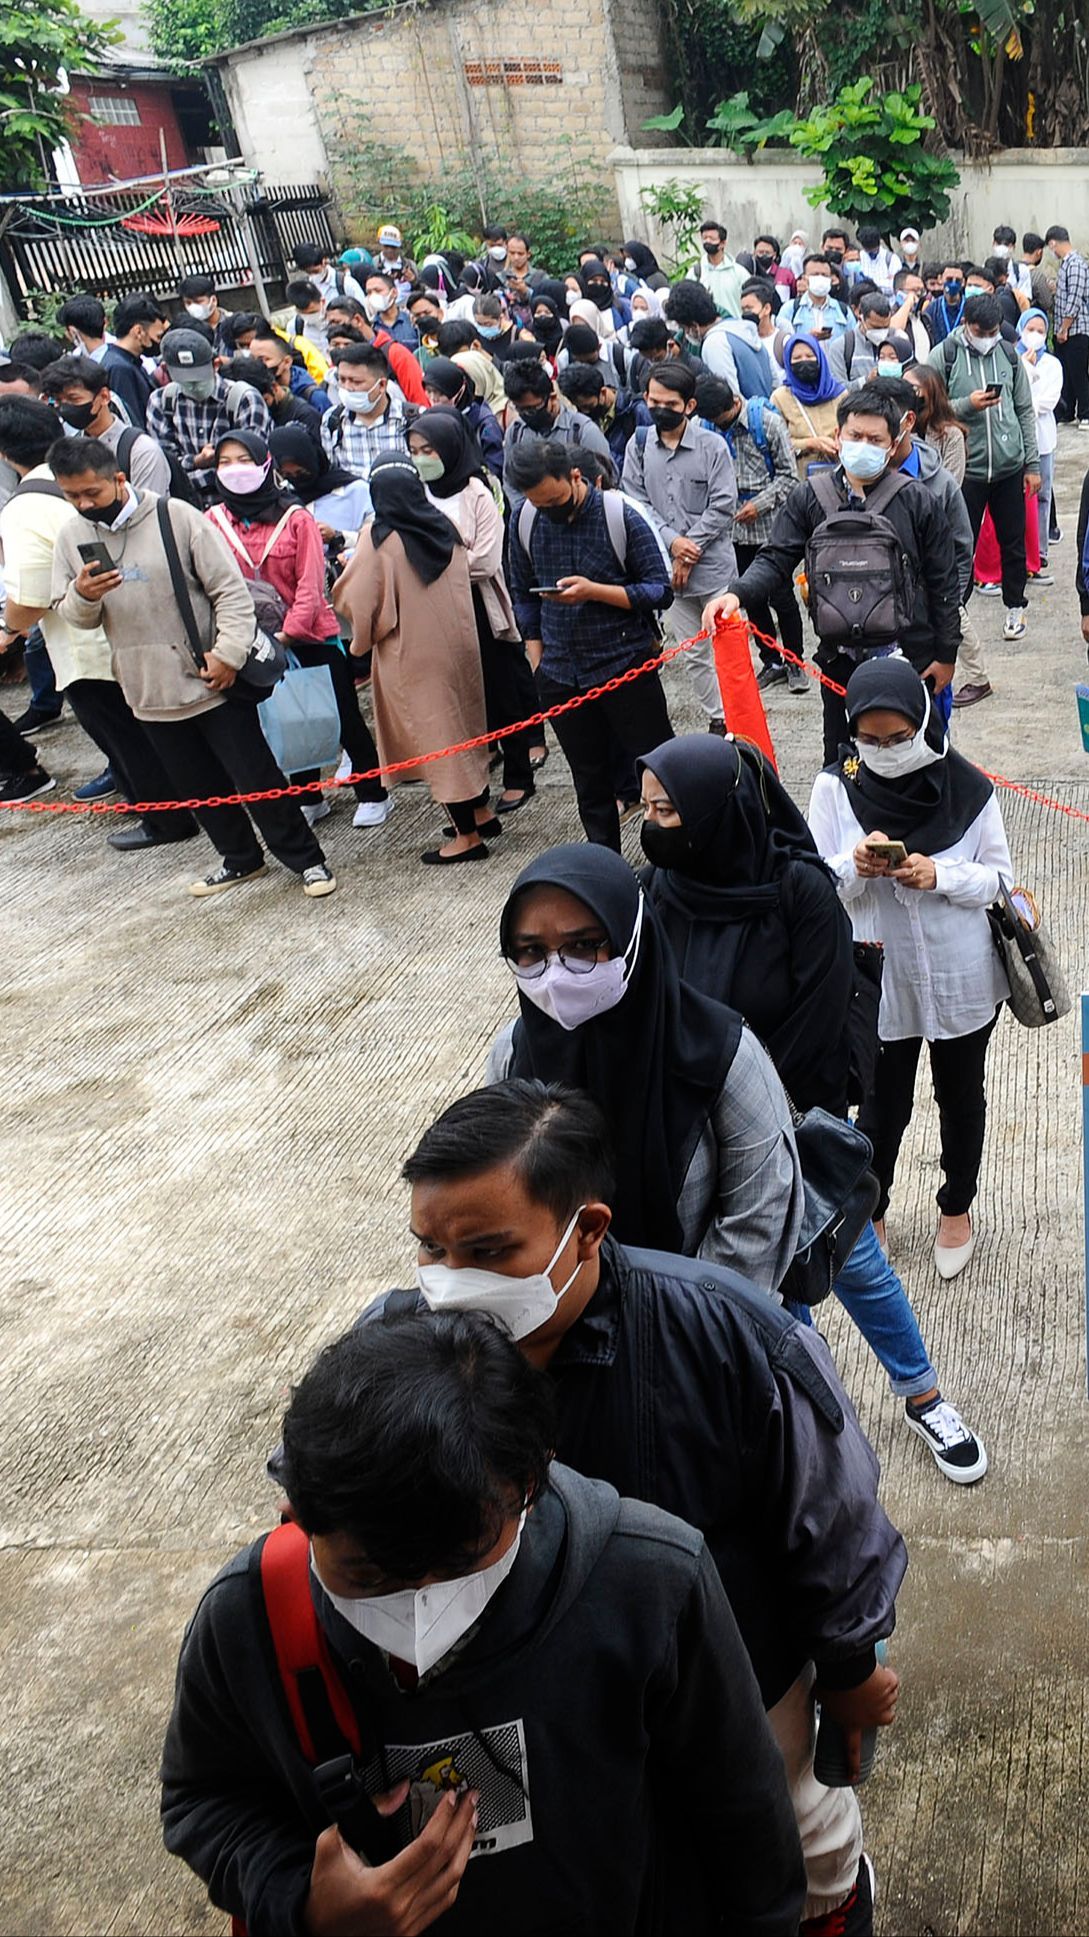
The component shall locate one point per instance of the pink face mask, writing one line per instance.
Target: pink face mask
(243, 478)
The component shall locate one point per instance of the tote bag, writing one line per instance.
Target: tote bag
(300, 718)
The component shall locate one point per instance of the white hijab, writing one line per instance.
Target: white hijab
(584, 311)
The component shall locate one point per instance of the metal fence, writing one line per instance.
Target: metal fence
(78, 242)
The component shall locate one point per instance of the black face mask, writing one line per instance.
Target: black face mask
(78, 416)
(547, 329)
(565, 513)
(664, 418)
(805, 373)
(834, 257)
(712, 248)
(765, 262)
(600, 293)
(538, 419)
(665, 847)
(105, 514)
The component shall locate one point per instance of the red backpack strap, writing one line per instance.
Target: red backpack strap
(301, 1648)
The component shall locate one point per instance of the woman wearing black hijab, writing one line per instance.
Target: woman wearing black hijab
(447, 383)
(447, 456)
(756, 922)
(407, 593)
(337, 498)
(705, 1156)
(943, 983)
(275, 538)
(596, 285)
(547, 321)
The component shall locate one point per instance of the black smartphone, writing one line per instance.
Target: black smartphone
(535, 591)
(97, 554)
(992, 390)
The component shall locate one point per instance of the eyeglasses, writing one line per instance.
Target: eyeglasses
(578, 957)
(893, 740)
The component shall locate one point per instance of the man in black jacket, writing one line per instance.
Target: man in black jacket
(870, 426)
(682, 1385)
(538, 1674)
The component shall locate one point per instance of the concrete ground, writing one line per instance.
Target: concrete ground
(207, 1107)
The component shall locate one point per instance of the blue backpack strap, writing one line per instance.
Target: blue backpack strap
(757, 429)
(641, 435)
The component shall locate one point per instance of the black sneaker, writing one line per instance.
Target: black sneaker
(771, 676)
(957, 1452)
(224, 878)
(851, 1919)
(35, 721)
(1055, 537)
(26, 786)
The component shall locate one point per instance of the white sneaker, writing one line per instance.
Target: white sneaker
(1014, 627)
(344, 768)
(957, 1452)
(316, 810)
(373, 813)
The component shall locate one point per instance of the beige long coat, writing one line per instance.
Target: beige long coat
(426, 679)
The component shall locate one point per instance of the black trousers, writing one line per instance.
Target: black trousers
(509, 694)
(224, 751)
(833, 707)
(355, 735)
(785, 606)
(639, 719)
(104, 714)
(1006, 499)
(17, 756)
(956, 1070)
(1074, 357)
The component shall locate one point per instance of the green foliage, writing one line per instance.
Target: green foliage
(192, 30)
(667, 123)
(678, 207)
(738, 127)
(181, 31)
(39, 39)
(438, 234)
(873, 158)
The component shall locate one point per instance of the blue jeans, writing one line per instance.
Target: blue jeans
(1043, 501)
(872, 1294)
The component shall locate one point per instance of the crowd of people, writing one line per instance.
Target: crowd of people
(600, 1445)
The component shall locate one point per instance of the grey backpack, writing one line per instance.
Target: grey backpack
(861, 580)
(613, 506)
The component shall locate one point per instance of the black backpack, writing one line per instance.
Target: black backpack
(861, 580)
(180, 486)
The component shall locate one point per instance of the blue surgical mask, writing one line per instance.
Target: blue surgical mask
(863, 461)
(487, 330)
(887, 369)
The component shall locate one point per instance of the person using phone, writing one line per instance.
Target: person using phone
(943, 983)
(814, 311)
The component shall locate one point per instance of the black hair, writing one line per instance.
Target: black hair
(713, 397)
(421, 294)
(419, 1438)
(457, 334)
(689, 302)
(984, 313)
(251, 370)
(861, 289)
(83, 313)
(930, 271)
(597, 469)
(74, 369)
(582, 380)
(495, 233)
(350, 305)
(301, 293)
(844, 235)
(1057, 233)
(582, 341)
(196, 286)
(870, 401)
(1005, 234)
(16, 372)
(649, 333)
(137, 308)
(35, 347)
(364, 356)
(761, 288)
(904, 395)
(525, 377)
(902, 275)
(773, 239)
(1030, 243)
(555, 1139)
(518, 235)
(675, 376)
(28, 428)
(996, 269)
(815, 256)
(239, 322)
(533, 459)
(70, 457)
(879, 304)
(309, 254)
(719, 227)
(869, 237)
(345, 333)
(377, 274)
(486, 303)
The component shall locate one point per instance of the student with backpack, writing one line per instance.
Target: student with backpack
(879, 558)
(196, 408)
(80, 389)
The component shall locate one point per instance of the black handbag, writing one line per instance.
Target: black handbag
(841, 1195)
(267, 661)
(862, 1033)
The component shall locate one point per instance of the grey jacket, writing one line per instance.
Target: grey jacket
(692, 492)
(1001, 439)
(933, 474)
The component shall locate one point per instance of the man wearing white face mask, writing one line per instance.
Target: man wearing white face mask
(491, 1656)
(198, 296)
(382, 302)
(367, 419)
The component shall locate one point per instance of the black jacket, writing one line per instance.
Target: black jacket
(603, 1705)
(1080, 586)
(129, 381)
(926, 538)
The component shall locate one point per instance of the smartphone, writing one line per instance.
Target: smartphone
(97, 554)
(822, 333)
(535, 591)
(992, 390)
(894, 852)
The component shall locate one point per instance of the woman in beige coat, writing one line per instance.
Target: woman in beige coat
(448, 457)
(407, 594)
(807, 402)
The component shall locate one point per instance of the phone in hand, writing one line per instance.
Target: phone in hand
(98, 555)
(894, 852)
(992, 390)
(538, 591)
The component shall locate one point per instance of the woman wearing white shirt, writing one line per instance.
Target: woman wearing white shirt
(449, 459)
(943, 982)
(1045, 375)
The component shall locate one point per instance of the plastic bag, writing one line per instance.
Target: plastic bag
(300, 719)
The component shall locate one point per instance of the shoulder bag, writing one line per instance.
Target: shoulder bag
(267, 661)
(841, 1193)
(1038, 987)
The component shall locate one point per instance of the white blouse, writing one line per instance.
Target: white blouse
(942, 974)
(1046, 384)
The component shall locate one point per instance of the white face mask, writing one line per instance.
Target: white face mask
(983, 345)
(374, 305)
(574, 999)
(629, 264)
(1000, 251)
(1035, 339)
(362, 400)
(200, 311)
(895, 763)
(422, 1624)
(878, 336)
(499, 253)
(820, 285)
(522, 1305)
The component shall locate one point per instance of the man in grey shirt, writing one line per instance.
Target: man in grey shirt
(79, 387)
(543, 413)
(685, 474)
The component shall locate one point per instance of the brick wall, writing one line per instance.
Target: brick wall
(106, 151)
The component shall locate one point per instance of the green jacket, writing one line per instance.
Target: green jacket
(1001, 439)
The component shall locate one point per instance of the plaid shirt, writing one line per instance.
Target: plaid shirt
(1072, 294)
(185, 425)
(755, 485)
(586, 644)
(347, 440)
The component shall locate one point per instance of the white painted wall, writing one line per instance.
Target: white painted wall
(273, 110)
(1026, 189)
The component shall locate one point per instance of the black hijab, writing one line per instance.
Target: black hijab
(548, 329)
(554, 291)
(401, 505)
(295, 445)
(655, 1063)
(448, 377)
(261, 507)
(644, 258)
(591, 276)
(928, 810)
(451, 439)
